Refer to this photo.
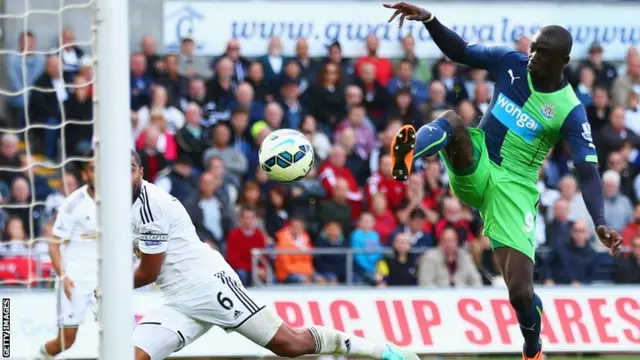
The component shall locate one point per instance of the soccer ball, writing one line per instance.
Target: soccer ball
(286, 155)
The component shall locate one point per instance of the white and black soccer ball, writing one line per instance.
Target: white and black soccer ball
(286, 155)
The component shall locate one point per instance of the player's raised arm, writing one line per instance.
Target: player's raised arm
(577, 132)
(450, 43)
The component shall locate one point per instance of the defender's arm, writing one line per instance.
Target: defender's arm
(152, 237)
(148, 270)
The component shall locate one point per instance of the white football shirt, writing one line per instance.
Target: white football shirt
(161, 224)
(76, 224)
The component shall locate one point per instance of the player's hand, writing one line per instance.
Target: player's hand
(67, 286)
(408, 12)
(97, 293)
(610, 238)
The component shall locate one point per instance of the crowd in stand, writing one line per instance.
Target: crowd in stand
(197, 123)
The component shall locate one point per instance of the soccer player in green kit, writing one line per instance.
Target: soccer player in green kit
(494, 167)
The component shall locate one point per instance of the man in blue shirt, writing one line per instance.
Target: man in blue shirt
(405, 80)
(33, 67)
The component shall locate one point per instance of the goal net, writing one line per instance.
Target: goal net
(50, 109)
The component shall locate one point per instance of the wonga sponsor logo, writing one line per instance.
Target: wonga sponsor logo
(515, 118)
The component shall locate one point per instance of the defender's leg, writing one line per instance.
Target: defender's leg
(517, 269)
(268, 330)
(290, 342)
(447, 132)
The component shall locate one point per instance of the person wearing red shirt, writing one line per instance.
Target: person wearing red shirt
(241, 241)
(384, 67)
(333, 169)
(632, 229)
(432, 179)
(375, 95)
(166, 141)
(384, 183)
(152, 159)
(417, 198)
(453, 217)
(385, 222)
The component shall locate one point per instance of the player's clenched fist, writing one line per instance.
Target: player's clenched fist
(408, 12)
(610, 238)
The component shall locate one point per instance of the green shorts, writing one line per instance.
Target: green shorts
(507, 202)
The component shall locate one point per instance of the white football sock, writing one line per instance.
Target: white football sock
(334, 342)
(44, 354)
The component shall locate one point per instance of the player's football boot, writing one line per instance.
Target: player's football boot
(402, 148)
(395, 353)
(538, 356)
(42, 355)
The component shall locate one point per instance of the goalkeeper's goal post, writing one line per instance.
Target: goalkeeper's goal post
(108, 55)
(113, 178)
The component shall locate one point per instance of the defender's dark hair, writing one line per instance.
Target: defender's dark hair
(136, 157)
(90, 155)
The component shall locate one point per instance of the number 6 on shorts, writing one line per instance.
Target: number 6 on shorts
(225, 302)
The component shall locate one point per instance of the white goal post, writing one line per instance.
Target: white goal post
(113, 178)
(109, 54)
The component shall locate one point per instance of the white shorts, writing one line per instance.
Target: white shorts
(72, 312)
(224, 303)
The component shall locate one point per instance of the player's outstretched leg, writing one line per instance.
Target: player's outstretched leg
(290, 342)
(65, 339)
(447, 132)
(517, 270)
(268, 330)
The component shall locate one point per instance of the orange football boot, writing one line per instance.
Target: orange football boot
(537, 357)
(402, 149)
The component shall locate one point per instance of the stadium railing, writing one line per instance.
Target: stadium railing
(21, 270)
(263, 257)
